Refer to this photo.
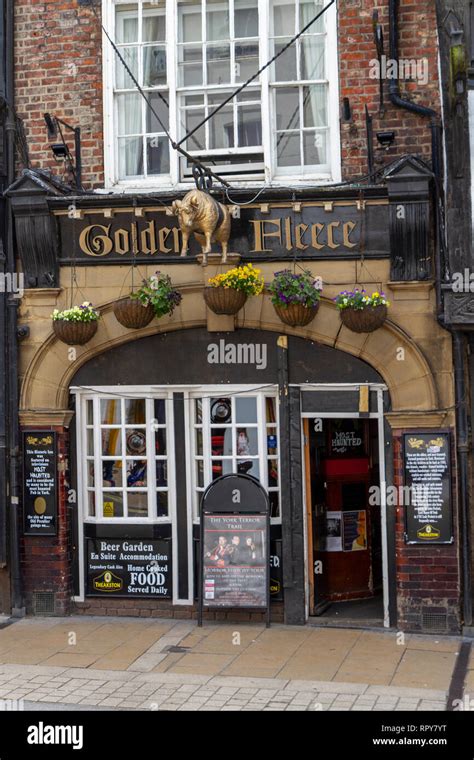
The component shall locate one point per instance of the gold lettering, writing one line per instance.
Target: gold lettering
(316, 229)
(134, 238)
(176, 240)
(162, 236)
(289, 242)
(260, 234)
(347, 228)
(331, 242)
(122, 241)
(95, 245)
(300, 229)
(148, 239)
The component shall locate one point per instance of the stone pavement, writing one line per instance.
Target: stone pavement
(169, 665)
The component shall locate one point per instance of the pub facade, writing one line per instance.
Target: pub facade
(122, 434)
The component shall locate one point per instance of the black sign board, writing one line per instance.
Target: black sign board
(314, 230)
(427, 471)
(129, 568)
(276, 570)
(235, 545)
(39, 483)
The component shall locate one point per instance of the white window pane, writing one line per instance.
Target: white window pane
(246, 442)
(218, 64)
(221, 129)
(288, 149)
(191, 118)
(130, 157)
(308, 10)
(91, 505)
(129, 114)
(285, 65)
(249, 125)
(137, 504)
(315, 106)
(135, 411)
(110, 411)
(154, 66)
(123, 81)
(249, 467)
(246, 60)
(284, 19)
(245, 409)
(111, 442)
(112, 503)
(126, 24)
(312, 58)
(112, 473)
(189, 24)
(162, 504)
(161, 473)
(190, 65)
(136, 473)
(158, 155)
(314, 148)
(245, 19)
(217, 20)
(154, 27)
(287, 108)
(159, 103)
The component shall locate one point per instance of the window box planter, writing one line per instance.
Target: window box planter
(360, 312)
(296, 314)
(364, 320)
(227, 293)
(224, 300)
(295, 297)
(131, 313)
(77, 325)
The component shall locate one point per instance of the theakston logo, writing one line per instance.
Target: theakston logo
(428, 532)
(46, 734)
(107, 581)
(237, 353)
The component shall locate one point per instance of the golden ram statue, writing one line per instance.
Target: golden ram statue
(200, 213)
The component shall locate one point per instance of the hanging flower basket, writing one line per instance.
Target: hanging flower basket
(296, 314)
(362, 313)
(131, 313)
(295, 297)
(224, 300)
(77, 325)
(228, 292)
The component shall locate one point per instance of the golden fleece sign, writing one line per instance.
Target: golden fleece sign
(199, 223)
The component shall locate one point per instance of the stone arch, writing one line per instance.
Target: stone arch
(410, 382)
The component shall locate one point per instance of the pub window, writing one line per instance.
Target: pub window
(126, 460)
(236, 434)
(189, 56)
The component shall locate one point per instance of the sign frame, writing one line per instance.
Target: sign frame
(207, 509)
(121, 595)
(27, 498)
(410, 541)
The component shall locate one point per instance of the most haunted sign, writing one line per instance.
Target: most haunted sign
(313, 230)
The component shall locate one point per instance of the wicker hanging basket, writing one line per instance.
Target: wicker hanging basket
(224, 300)
(74, 333)
(364, 320)
(296, 314)
(131, 313)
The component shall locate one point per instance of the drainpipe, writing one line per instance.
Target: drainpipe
(462, 438)
(12, 400)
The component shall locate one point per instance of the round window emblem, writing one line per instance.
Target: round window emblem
(136, 442)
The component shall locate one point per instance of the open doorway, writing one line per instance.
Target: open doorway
(344, 521)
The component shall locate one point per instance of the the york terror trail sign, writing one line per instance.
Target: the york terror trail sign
(235, 545)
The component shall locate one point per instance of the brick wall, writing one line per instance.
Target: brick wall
(428, 577)
(58, 69)
(46, 560)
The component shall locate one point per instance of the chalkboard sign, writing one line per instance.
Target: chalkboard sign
(427, 493)
(128, 568)
(39, 483)
(235, 545)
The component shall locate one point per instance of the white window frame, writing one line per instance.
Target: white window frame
(270, 174)
(208, 391)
